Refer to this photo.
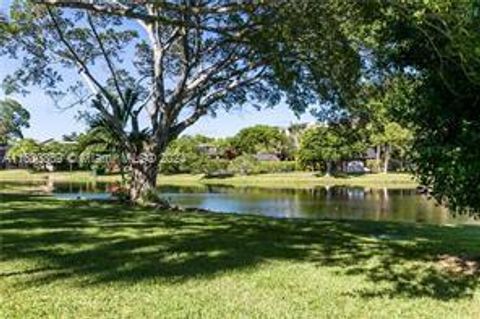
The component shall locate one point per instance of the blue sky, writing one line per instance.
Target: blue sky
(49, 121)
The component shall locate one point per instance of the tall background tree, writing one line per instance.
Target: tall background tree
(324, 146)
(263, 138)
(13, 118)
(382, 115)
(434, 45)
(389, 139)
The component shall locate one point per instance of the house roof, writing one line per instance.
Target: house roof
(370, 153)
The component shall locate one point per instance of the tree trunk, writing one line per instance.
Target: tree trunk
(329, 169)
(387, 158)
(122, 174)
(378, 152)
(121, 166)
(143, 181)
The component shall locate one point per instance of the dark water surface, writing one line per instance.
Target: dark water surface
(316, 203)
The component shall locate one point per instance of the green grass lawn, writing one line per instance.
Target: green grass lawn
(91, 260)
(279, 180)
(296, 180)
(75, 176)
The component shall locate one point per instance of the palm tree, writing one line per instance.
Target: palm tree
(108, 134)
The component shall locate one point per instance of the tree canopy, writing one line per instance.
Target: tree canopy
(434, 47)
(324, 145)
(13, 118)
(191, 58)
(437, 45)
(262, 138)
(23, 148)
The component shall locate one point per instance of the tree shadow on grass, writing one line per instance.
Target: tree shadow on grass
(100, 243)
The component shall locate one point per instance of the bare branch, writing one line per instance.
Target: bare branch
(115, 9)
(204, 103)
(80, 101)
(130, 11)
(84, 70)
(107, 59)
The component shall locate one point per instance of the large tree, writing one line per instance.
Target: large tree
(436, 46)
(391, 137)
(13, 118)
(263, 138)
(187, 58)
(328, 145)
(25, 152)
(382, 120)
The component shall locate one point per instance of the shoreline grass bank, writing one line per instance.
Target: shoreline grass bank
(278, 180)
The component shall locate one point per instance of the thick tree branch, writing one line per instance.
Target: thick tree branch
(215, 79)
(203, 103)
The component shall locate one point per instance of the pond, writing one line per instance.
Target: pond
(404, 205)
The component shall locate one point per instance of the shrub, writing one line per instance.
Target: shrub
(206, 165)
(98, 169)
(275, 167)
(243, 165)
(248, 165)
(373, 165)
(172, 163)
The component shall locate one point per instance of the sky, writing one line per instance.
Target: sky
(50, 121)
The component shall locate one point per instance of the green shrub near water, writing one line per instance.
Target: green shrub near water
(243, 165)
(210, 166)
(373, 166)
(249, 165)
(275, 167)
(98, 169)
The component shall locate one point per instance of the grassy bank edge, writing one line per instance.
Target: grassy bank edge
(298, 180)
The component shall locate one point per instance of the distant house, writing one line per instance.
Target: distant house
(208, 150)
(356, 167)
(295, 131)
(50, 140)
(358, 163)
(370, 154)
(267, 157)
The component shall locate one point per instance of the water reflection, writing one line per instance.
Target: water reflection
(321, 202)
(332, 202)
